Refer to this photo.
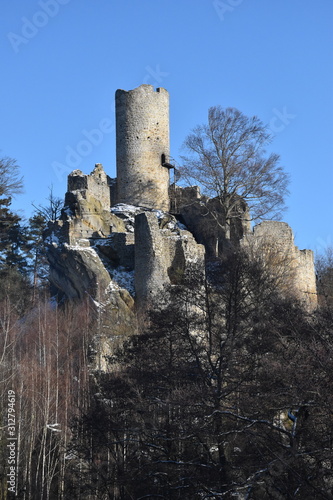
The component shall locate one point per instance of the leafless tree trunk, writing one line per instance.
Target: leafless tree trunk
(227, 159)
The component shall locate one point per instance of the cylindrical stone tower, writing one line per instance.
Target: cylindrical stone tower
(142, 140)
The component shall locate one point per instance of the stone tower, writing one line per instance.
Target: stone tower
(142, 141)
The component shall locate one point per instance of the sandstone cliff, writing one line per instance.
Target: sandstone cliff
(122, 257)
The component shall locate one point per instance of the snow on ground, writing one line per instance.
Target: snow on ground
(121, 278)
(100, 242)
(67, 211)
(78, 173)
(181, 226)
(52, 240)
(125, 208)
(85, 249)
(128, 213)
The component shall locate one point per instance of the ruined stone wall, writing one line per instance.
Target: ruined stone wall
(273, 243)
(87, 206)
(162, 256)
(205, 218)
(142, 137)
(306, 276)
(96, 183)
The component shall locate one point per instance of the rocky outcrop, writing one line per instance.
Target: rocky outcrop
(76, 271)
(123, 258)
(118, 258)
(92, 244)
(163, 253)
(86, 213)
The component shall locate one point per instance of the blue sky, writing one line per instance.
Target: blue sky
(62, 61)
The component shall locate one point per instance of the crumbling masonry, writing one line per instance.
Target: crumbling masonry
(121, 241)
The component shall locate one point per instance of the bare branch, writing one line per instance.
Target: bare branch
(227, 158)
(11, 182)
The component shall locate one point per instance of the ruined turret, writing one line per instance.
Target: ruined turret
(142, 141)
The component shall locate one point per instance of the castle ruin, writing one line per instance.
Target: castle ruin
(127, 235)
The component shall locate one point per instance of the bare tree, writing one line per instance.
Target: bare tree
(324, 270)
(52, 209)
(227, 158)
(10, 180)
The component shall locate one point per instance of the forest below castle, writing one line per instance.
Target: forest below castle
(223, 392)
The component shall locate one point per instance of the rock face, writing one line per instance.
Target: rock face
(93, 245)
(119, 257)
(162, 255)
(77, 270)
(122, 258)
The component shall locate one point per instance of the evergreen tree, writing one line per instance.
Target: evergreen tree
(14, 257)
(14, 242)
(225, 394)
(39, 263)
